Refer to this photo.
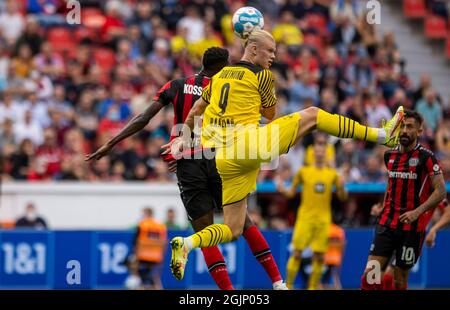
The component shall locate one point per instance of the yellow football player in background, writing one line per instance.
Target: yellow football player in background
(314, 214)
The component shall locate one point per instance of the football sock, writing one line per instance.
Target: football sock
(260, 249)
(293, 265)
(388, 282)
(344, 127)
(316, 274)
(366, 286)
(217, 267)
(209, 236)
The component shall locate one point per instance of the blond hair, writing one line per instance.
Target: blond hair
(257, 35)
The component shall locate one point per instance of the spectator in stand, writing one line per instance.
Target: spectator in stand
(31, 219)
(372, 171)
(376, 110)
(114, 27)
(49, 62)
(286, 32)
(28, 128)
(431, 111)
(20, 160)
(32, 36)
(12, 22)
(49, 155)
(443, 138)
(345, 35)
(194, 24)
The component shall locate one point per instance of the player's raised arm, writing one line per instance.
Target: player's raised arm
(340, 188)
(177, 145)
(290, 192)
(136, 124)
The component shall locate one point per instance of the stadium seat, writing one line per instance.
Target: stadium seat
(414, 8)
(85, 33)
(92, 17)
(61, 39)
(313, 40)
(105, 58)
(318, 22)
(22, 5)
(435, 27)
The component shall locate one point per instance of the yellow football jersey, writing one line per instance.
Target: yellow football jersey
(235, 96)
(317, 192)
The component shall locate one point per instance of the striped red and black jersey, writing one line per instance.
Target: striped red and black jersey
(409, 185)
(182, 94)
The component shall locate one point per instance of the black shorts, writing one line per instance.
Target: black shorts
(200, 186)
(407, 245)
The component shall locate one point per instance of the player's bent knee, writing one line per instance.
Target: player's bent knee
(308, 118)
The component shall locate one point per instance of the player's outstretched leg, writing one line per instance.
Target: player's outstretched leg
(344, 127)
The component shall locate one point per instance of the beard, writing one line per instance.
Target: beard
(406, 141)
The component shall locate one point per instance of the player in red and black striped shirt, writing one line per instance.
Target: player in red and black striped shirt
(199, 182)
(416, 185)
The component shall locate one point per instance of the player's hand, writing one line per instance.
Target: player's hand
(102, 151)
(174, 147)
(409, 217)
(172, 166)
(430, 238)
(376, 209)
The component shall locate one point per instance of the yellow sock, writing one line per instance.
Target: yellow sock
(293, 265)
(316, 274)
(210, 236)
(344, 127)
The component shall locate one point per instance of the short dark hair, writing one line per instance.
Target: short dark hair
(148, 211)
(414, 114)
(213, 57)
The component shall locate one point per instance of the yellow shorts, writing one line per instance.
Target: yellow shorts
(239, 164)
(310, 234)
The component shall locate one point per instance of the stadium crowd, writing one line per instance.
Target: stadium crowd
(65, 89)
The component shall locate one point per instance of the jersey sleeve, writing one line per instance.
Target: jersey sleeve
(206, 93)
(166, 94)
(432, 166)
(266, 87)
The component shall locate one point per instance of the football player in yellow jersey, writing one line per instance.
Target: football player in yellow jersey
(314, 214)
(233, 104)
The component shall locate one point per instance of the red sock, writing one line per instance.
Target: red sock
(388, 282)
(365, 286)
(217, 267)
(261, 251)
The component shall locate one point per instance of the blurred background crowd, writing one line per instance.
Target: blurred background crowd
(66, 89)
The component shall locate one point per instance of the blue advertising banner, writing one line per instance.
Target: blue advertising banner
(94, 259)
